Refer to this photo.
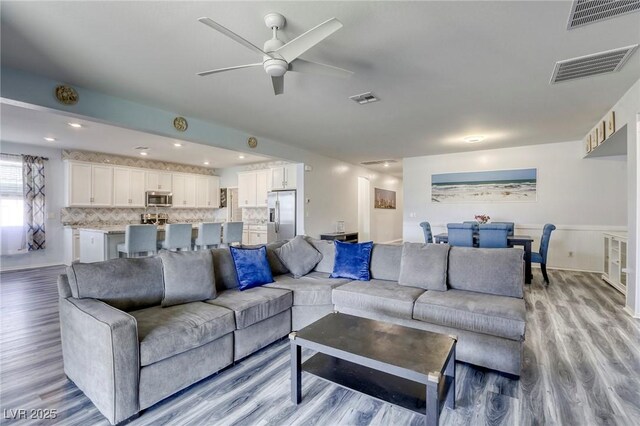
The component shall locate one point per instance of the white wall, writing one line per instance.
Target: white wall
(582, 197)
(627, 111)
(54, 181)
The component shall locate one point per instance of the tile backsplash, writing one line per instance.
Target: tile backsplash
(254, 214)
(115, 216)
(118, 160)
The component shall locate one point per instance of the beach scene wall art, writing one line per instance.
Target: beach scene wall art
(384, 199)
(498, 185)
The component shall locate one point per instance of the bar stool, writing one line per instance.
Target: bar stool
(177, 236)
(139, 239)
(208, 235)
(232, 233)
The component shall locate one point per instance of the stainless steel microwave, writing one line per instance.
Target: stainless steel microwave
(159, 199)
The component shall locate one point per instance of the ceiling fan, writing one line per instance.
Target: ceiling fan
(279, 57)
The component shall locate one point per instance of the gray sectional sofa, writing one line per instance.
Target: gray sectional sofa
(126, 351)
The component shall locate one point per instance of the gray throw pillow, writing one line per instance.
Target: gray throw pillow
(299, 256)
(424, 266)
(188, 277)
(328, 251)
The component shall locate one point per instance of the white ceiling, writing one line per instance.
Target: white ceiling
(443, 70)
(28, 126)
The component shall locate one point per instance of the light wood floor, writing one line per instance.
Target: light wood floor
(582, 367)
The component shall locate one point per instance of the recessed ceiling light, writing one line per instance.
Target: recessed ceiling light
(241, 157)
(50, 139)
(386, 164)
(144, 153)
(177, 144)
(75, 125)
(206, 163)
(473, 139)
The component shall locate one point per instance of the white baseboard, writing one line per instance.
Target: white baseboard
(630, 312)
(27, 267)
(398, 241)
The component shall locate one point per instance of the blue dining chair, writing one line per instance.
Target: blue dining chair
(460, 234)
(426, 229)
(541, 256)
(511, 226)
(493, 235)
(474, 225)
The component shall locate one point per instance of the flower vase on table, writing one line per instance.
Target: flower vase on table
(482, 218)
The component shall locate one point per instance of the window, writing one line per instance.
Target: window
(11, 197)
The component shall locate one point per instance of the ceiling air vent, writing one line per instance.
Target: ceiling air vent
(364, 98)
(585, 12)
(378, 162)
(590, 65)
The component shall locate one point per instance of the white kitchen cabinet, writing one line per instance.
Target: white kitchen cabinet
(184, 190)
(284, 177)
(79, 178)
(102, 186)
(213, 193)
(158, 181)
(615, 261)
(88, 185)
(245, 236)
(247, 189)
(263, 186)
(207, 191)
(257, 237)
(128, 187)
(253, 187)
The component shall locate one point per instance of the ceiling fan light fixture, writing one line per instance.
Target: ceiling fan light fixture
(275, 67)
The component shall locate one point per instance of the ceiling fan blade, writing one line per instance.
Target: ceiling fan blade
(300, 65)
(204, 73)
(278, 85)
(306, 41)
(211, 23)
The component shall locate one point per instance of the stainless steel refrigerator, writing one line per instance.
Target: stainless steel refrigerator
(282, 215)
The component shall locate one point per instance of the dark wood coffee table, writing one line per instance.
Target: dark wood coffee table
(411, 368)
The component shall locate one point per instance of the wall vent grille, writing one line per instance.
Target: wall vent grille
(378, 162)
(364, 98)
(584, 12)
(590, 65)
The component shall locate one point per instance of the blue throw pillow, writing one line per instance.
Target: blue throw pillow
(252, 266)
(352, 261)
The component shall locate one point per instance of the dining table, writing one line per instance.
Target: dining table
(512, 240)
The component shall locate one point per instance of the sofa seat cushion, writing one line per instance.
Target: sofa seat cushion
(253, 305)
(164, 332)
(378, 296)
(311, 290)
(499, 316)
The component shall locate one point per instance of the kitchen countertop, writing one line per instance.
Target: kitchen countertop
(114, 229)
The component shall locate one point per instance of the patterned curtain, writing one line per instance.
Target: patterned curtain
(34, 209)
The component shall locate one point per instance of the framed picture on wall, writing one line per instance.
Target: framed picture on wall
(587, 143)
(483, 186)
(611, 124)
(384, 199)
(594, 138)
(600, 129)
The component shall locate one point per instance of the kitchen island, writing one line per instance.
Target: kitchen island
(100, 242)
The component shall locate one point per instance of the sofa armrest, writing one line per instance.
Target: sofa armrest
(101, 355)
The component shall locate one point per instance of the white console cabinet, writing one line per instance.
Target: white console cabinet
(615, 261)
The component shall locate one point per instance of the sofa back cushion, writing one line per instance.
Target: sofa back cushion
(224, 269)
(385, 262)
(125, 284)
(277, 267)
(424, 266)
(188, 277)
(490, 271)
(328, 251)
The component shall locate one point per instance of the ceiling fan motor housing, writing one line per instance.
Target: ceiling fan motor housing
(274, 66)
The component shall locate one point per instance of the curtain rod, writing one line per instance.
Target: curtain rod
(20, 155)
